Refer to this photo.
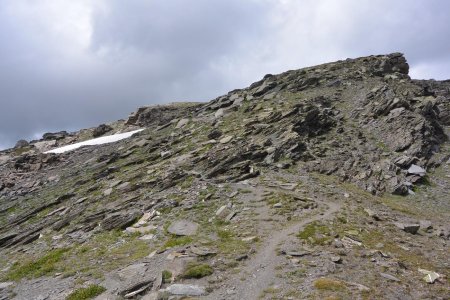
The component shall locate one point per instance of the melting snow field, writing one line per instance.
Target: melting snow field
(98, 141)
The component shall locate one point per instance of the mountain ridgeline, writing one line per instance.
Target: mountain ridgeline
(323, 175)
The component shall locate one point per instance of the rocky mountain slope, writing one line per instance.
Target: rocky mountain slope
(329, 182)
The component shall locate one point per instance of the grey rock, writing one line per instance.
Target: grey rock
(202, 251)
(336, 259)
(223, 212)
(297, 253)
(107, 192)
(166, 154)
(101, 130)
(4, 285)
(372, 214)
(226, 139)
(55, 135)
(426, 225)
(410, 228)
(21, 144)
(416, 170)
(219, 113)
(214, 134)
(120, 220)
(390, 277)
(278, 205)
(182, 123)
(183, 228)
(186, 290)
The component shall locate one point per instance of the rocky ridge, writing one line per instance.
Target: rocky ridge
(288, 189)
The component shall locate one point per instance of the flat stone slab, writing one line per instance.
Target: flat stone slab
(183, 227)
(416, 170)
(186, 290)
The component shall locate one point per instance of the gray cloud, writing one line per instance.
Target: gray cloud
(74, 64)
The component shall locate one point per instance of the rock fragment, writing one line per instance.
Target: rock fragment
(410, 228)
(186, 290)
(183, 228)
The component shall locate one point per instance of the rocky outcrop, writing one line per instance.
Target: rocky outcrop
(205, 186)
(160, 114)
(101, 130)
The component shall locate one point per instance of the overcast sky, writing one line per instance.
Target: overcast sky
(66, 65)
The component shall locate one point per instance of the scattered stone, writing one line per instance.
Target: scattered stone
(214, 134)
(416, 170)
(242, 257)
(430, 276)
(225, 213)
(166, 154)
(249, 239)
(372, 214)
(336, 259)
(219, 113)
(123, 186)
(107, 192)
(350, 242)
(278, 205)
(202, 251)
(4, 285)
(226, 139)
(288, 186)
(426, 225)
(147, 237)
(296, 253)
(183, 228)
(186, 290)
(390, 277)
(410, 228)
(182, 123)
(140, 229)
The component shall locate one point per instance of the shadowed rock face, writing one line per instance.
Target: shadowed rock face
(179, 183)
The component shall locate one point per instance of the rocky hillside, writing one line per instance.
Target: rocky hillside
(329, 182)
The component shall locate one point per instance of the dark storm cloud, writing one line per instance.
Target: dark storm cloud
(75, 64)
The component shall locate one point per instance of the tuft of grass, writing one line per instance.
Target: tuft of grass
(195, 270)
(36, 268)
(175, 241)
(86, 293)
(329, 284)
(166, 276)
(229, 243)
(187, 183)
(311, 230)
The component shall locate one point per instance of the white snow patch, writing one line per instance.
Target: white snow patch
(97, 141)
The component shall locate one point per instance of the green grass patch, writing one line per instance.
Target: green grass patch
(86, 293)
(329, 284)
(187, 183)
(166, 276)
(36, 268)
(175, 241)
(315, 233)
(229, 243)
(195, 270)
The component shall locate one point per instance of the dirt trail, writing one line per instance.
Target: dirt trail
(259, 271)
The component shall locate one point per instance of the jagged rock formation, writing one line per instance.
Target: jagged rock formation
(259, 163)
